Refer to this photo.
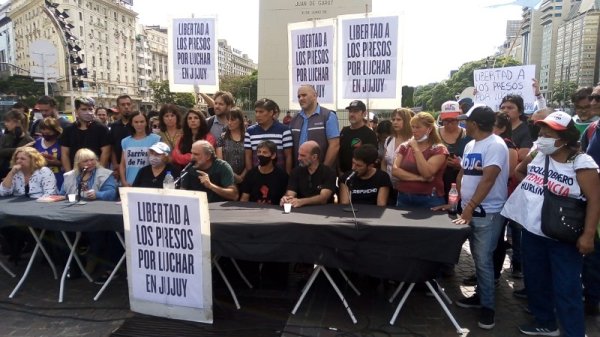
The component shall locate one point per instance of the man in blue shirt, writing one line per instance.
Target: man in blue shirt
(316, 123)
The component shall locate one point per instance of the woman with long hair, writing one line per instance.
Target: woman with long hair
(419, 165)
(135, 148)
(230, 146)
(401, 132)
(169, 118)
(515, 108)
(49, 147)
(194, 128)
(15, 135)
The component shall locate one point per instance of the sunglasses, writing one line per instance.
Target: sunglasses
(594, 97)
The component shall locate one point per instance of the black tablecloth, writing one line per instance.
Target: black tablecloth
(383, 242)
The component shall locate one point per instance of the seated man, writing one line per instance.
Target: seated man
(209, 174)
(368, 185)
(311, 183)
(267, 182)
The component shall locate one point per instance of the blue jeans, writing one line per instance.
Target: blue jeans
(552, 278)
(483, 241)
(591, 275)
(418, 200)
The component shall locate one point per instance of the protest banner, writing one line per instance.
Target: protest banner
(494, 83)
(167, 235)
(193, 54)
(369, 58)
(312, 56)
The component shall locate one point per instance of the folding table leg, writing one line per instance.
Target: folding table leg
(396, 292)
(215, 261)
(112, 274)
(459, 330)
(241, 273)
(312, 278)
(402, 300)
(349, 282)
(7, 269)
(37, 247)
(72, 255)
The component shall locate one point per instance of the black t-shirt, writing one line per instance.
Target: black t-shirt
(265, 188)
(118, 131)
(94, 138)
(522, 137)
(351, 139)
(306, 185)
(364, 191)
(145, 177)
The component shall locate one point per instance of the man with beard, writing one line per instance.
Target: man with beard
(119, 130)
(47, 107)
(86, 132)
(223, 102)
(368, 185)
(311, 183)
(355, 135)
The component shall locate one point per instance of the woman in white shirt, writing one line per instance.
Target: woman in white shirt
(28, 175)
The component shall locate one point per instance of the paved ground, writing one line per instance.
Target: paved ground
(34, 311)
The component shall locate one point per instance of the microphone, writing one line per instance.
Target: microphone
(184, 172)
(350, 177)
(80, 185)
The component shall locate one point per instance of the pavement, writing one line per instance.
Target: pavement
(35, 312)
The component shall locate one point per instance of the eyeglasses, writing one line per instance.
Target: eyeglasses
(594, 97)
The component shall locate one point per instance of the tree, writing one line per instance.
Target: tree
(24, 87)
(562, 92)
(408, 96)
(162, 95)
(243, 88)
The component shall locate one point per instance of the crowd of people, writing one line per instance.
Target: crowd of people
(496, 159)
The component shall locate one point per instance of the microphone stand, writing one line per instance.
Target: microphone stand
(80, 185)
(351, 208)
(178, 180)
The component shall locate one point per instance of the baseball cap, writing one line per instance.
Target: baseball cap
(356, 104)
(467, 101)
(450, 110)
(373, 117)
(558, 120)
(480, 114)
(161, 148)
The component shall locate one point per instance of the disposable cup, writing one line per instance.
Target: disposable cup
(287, 207)
(72, 197)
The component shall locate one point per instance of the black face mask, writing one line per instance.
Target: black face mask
(534, 130)
(263, 160)
(49, 137)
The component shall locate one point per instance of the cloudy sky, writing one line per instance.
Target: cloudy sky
(439, 35)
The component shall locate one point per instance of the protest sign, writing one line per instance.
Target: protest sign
(369, 62)
(494, 83)
(167, 235)
(193, 53)
(311, 50)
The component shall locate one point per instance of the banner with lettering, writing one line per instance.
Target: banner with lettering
(369, 58)
(167, 235)
(312, 49)
(494, 83)
(193, 54)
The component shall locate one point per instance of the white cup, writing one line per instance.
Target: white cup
(72, 197)
(287, 207)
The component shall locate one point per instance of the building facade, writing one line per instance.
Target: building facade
(104, 30)
(232, 62)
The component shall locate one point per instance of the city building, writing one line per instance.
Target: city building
(232, 62)
(577, 45)
(512, 44)
(274, 17)
(152, 61)
(531, 39)
(103, 30)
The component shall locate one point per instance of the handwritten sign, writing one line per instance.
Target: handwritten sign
(194, 56)
(495, 83)
(369, 57)
(312, 56)
(167, 235)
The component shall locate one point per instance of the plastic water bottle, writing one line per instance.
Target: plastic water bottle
(169, 181)
(453, 199)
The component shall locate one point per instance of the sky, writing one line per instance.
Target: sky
(438, 35)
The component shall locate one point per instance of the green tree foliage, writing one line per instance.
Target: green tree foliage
(562, 91)
(162, 95)
(431, 96)
(408, 96)
(243, 88)
(23, 87)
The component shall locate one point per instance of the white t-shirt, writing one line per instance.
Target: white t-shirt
(491, 151)
(525, 203)
(390, 156)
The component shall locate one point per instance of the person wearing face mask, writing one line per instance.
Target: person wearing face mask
(552, 268)
(49, 147)
(152, 175)
(14, 136)
(86, 132)
(267, 182)
(311, 183)
(419, 165)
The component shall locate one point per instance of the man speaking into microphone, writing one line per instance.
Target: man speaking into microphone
(365, 184)
(209, 174)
